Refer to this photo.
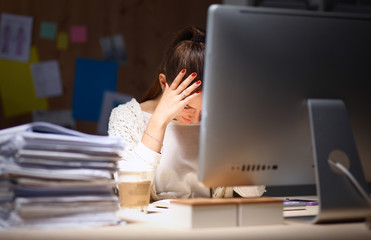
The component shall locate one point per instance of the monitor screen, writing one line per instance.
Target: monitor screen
(262, 65)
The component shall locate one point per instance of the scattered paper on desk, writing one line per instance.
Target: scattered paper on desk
(48, 30)
(110, 101)
(16, 87)
(62, 41)
(78, 34)
(113, 48)
(15, 37)
(47, 78)
(92, 79)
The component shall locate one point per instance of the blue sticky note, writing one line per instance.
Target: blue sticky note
(48, 30)
(92, 79)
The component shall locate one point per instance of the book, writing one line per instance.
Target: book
(225, 212)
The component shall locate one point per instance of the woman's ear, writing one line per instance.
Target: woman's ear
(162, 80)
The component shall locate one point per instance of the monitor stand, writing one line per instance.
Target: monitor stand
(340, 199)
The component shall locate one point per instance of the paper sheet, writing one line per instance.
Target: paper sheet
(15, 37)
(78, 34)
(62, 41)
(16, 86)
(113, 48)
(92, 79)
(110, 101)
(47, 79)
(48, 30)
(59, 117)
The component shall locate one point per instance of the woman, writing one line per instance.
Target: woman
(163, 129)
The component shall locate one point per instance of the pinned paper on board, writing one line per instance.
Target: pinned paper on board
(113, 48)
(110, 101)
(48, 30)
(47, 78)
(92, 79)
(15, 37)
(34, 55)
(62, 41)
(60, 117)
(78, 34)
(16, 86)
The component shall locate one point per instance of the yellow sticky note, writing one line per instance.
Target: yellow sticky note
(62, 41)
(17, 89)
(34, 55)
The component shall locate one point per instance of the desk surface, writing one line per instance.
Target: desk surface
(154, 227)
(148, 231)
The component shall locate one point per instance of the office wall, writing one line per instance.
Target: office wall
(146, 26)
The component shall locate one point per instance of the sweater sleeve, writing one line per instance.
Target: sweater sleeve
(151, 157)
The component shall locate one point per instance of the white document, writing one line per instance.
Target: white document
(61, 174)
(110, 101)
(15, 37)
(60, 117)
(47, 79)
(74, 221)
(113, 48)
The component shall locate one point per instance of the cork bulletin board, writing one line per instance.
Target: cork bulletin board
(144, 27)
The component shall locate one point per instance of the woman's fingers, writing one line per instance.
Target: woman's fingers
(186, 82)
(178, 85)
(188, 91)
(174, 85)
(189, 98)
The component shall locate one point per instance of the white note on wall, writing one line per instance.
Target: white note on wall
(47, 78)
(15, 37)
(60, 117)
(110, 101)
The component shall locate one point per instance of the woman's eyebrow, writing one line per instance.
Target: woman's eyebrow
(189, 106)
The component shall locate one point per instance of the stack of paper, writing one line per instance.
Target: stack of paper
(51, 176)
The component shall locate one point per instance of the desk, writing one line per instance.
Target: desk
(155, 228)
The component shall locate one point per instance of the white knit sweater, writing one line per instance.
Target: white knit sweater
(176, 167)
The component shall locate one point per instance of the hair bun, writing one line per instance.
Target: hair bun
(198, 38)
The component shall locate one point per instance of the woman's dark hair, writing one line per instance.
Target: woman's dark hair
(187, 51)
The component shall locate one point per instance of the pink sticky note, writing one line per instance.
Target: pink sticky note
(78, 34)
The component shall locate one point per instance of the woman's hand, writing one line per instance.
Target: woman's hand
(173, 100)
(175, 97)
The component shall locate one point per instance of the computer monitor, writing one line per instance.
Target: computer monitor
(279, 89)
